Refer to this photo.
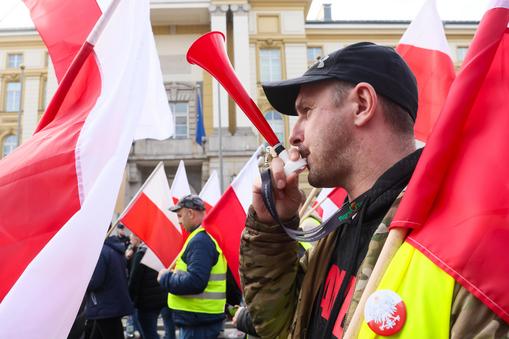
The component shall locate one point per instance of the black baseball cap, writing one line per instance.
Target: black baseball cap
(189, 201)
(380, 66)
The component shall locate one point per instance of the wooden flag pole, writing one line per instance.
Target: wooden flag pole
(318, 204)
(394, 240)
(310, 197)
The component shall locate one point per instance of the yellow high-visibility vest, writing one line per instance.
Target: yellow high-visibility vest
(305, 245)
(213, 298)
(425, 289)
(310, 221)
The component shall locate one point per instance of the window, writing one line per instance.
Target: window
(270, 64)
(181, 112)
(314, 53)
(461, 52)
(275, 120)
(9, 144)
(13, 97)
(14, 60)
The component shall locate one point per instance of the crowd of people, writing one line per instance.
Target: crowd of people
(355, 111)
(123, 298)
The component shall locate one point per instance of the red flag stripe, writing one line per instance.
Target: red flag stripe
(445, 140)
(33, 181)
(319, 210)
(71, 165)
(435, 73)
(223, 224)
(227, 219)
(76, 18)
(425, 48)
(337, 196)
(152, 226)
(458, 201)
(208, 207)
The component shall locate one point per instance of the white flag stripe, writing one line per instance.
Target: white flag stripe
(54, 283)
(152, 124)
(426, 30)
(158, 191)
(324, 193)
(151, 260)
(211, 192)
(180, 185)
(179, 188)
(329, 208)
(243, 182)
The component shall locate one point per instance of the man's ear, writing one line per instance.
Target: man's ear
(367, 100)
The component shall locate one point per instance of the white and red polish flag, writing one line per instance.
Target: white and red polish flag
(148, 217)
(58, 189)
(227, 219)
(179, 189)
(457, 202)
(425, 49)
(330, 200)
(211, 192)
(180, 185)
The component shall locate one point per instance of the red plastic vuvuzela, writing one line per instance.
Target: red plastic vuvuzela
(209, 52)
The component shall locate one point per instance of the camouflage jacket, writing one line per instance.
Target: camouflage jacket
(280, 290)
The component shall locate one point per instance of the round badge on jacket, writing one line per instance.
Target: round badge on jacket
(385, 312)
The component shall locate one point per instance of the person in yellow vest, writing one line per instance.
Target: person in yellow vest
(354, 116)
(197, 283)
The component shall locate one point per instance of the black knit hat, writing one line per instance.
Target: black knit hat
(380, 66)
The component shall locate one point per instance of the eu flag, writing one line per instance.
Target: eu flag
(200, 129)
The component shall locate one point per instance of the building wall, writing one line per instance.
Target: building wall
(252, 25)
(32, 75)
(172, 50)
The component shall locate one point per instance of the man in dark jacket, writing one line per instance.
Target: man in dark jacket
(148, 296)
(107, 299)
(197, 285)
(355, 111)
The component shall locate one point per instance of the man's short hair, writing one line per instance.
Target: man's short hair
(395, 115)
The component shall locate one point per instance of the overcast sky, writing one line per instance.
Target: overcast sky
(454, 10)
(13, 13)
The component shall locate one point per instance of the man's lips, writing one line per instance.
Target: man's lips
(304, 152)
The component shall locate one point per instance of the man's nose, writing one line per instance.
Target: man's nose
(297, 135)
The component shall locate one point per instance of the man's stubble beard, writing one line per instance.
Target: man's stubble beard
(331, 166)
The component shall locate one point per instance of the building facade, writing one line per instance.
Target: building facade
(266, 40)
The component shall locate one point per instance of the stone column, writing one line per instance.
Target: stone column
(241, 54)
(218, 23)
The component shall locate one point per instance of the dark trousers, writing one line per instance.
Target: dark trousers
(169, 326)
(210, 331)
(109, 328)
(148, 323)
